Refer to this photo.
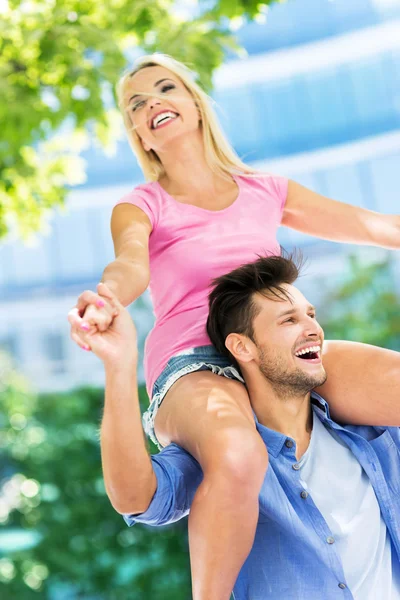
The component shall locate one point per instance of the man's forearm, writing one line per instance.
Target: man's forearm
(128, 474)
(126, 279)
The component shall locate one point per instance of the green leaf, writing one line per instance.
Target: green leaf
(56, 60)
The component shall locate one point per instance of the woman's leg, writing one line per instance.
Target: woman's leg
(210, 416)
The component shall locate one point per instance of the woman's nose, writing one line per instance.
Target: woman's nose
(153, 102)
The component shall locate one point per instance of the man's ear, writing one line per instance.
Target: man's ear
(240, 347)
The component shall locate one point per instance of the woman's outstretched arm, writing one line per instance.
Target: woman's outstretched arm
(363, 384)
(316, 215)
(127, 276)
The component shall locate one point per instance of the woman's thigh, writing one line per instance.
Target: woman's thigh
(206, 414)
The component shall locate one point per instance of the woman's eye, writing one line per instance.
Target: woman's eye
(137, 105)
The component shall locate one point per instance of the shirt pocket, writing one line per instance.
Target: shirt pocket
(388, 453)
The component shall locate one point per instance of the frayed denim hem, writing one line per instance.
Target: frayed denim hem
(149, 416)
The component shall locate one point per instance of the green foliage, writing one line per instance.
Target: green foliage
(246, 8)
(365, 308)
(51, 481)
(59, 62)
(53, 486)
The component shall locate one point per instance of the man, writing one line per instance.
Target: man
(329, 521)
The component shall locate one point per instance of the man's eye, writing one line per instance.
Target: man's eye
(290, 320)
(312, 315)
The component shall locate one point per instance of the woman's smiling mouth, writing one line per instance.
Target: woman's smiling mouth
(162, 118)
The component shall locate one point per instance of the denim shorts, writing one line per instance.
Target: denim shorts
(202, 358)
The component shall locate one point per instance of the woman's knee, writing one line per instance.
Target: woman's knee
(211, 417)
(239, 458)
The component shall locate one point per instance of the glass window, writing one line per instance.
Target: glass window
(371, 92)
(384, 177)
(344, 183)
(75, 245)
(32, 262)
(9, 345)
(54, 351)
(7, 270)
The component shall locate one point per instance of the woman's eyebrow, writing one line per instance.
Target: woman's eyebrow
(155, 85)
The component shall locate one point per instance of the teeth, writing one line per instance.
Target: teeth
(162, 116)
(314, 349)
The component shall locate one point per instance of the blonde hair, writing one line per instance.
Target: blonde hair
(219, 154)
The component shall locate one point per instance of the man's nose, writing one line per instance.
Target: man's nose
(312, 328)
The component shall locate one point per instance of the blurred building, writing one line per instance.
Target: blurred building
(317, 99)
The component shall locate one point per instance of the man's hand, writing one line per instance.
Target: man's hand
(114, 345)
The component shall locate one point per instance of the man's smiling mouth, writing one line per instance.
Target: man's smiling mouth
(309, 352)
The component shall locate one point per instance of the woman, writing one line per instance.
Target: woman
(201, 214)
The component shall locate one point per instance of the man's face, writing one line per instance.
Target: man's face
(289, 341)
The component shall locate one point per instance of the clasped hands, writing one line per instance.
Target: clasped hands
(101, 324)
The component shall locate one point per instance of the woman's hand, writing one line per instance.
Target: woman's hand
(93, 312)
(112, 334)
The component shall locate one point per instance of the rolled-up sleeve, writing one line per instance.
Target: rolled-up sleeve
(178, 477)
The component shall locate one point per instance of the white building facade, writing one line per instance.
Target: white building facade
(316, 100)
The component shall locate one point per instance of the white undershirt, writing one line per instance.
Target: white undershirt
(343, 493)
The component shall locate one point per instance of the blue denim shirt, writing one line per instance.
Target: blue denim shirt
(290, 557)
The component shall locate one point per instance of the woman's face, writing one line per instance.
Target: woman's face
(165, 112)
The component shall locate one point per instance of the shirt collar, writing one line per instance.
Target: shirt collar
(274, 440)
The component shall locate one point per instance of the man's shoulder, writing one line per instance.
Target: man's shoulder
(368, 432)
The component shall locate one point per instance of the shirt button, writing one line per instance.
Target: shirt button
(289, 444)
(296, 467)
(342, 586)
(304, 494)
(330, 540)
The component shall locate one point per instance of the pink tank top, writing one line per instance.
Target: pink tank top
(189, 246)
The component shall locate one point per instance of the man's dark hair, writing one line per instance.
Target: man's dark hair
(232, 306)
